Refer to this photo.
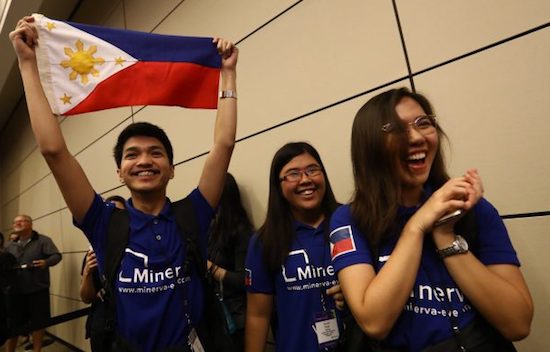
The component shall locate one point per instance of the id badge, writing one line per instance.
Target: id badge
(326, 328)
(194, 341)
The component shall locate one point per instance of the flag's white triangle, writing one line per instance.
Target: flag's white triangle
(57, 43)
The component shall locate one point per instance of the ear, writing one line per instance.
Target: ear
(172, 169)
(119, 176)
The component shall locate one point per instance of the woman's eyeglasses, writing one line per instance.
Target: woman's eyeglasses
(296, 175)
(425, 124)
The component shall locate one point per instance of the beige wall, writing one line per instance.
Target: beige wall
(302, 76)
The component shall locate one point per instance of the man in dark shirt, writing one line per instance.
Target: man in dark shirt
(29, 302)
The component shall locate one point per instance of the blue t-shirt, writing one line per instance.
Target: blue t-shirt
(299, 287)
(150, 286)
(435, 298)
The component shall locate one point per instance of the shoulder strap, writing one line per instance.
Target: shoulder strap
(185, 216)
(118, 231)
(117, 239)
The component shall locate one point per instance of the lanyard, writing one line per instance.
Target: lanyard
(322, 291)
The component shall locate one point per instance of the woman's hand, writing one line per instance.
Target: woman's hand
(91, 263)
(336, 293)
(457, 193)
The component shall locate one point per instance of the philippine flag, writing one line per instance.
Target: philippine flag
(341, 241)
(88, 68)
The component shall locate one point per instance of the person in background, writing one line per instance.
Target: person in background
(29, 301)
(91, 293)
(230, 233)
(413, 281)
(288, 264)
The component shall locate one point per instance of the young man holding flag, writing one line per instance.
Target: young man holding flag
(151, 314)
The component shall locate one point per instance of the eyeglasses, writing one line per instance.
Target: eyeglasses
(425, 124)
(296, 175)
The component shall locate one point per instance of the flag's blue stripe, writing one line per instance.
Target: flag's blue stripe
(156, 47)
(340, 235)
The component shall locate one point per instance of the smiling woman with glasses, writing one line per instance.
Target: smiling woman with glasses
(288, 261)
(412, 281)
(295, 175)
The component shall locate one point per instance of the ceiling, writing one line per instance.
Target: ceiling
(84, 11)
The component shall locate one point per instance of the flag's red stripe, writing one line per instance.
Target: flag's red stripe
(155, 83)
(342, 246)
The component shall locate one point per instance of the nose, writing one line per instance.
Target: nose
(304, 178)
(144, 159)
(414, 135)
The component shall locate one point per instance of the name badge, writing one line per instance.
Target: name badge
(326, 328)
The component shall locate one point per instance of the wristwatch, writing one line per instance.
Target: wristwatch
(459, 246)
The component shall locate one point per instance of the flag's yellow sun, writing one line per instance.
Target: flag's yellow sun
(82, 62)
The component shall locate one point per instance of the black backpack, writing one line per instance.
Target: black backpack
(211, 329)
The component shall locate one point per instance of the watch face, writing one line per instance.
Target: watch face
(461, 244)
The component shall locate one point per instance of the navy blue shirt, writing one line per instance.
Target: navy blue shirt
(299, 287)
(435, 297)
(150, 286)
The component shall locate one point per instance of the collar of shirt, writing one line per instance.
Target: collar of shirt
(140, 219)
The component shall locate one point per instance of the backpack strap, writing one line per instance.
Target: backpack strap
(118, 231)
(186, 221)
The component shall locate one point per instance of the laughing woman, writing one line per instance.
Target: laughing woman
(288, 262)
(413, 282)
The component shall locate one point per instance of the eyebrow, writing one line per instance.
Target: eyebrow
(305, 167)
(135, 148)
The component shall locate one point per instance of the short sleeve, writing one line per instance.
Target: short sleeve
(348, 245)
(258, 278)
(495, 246)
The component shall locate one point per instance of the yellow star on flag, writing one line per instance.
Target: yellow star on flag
(119, 61)
(50, 25)
(66, 99)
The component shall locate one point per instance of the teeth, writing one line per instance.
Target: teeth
(145, 173)
(417, 156)
(307, 192)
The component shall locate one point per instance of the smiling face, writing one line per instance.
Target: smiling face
(305, 195)
(145, 167)
(415, 165)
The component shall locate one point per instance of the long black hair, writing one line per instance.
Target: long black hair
(231, 218)
(277, 232)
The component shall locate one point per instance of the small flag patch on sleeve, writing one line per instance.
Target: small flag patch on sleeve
(248, 277)
(341, 241)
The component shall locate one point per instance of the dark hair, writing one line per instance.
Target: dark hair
(277, 232)
(377, 183)
(115, 198)
(142, 129)
(2, 239)
(230, 221)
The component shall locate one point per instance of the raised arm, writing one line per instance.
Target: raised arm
(216, 164)
(70, 177)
